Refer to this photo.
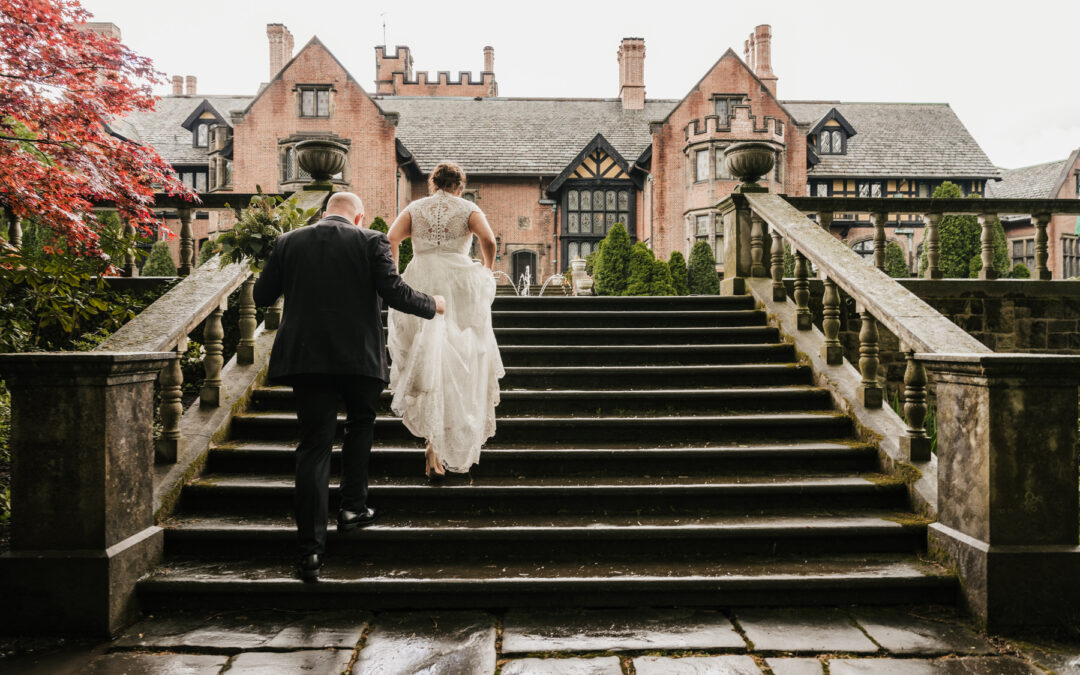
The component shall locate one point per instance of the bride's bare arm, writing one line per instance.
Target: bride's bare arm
(399, 232)
(479, 226)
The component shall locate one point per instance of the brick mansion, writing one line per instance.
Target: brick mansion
(554, 174)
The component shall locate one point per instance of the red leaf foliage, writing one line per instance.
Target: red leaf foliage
(59, 88)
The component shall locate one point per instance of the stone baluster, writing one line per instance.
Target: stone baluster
(1042, 253)
(986, 223)
(803, 317)
(757, 252)
(171, 379)
(915, 444)
(213, 334)
(869, 393)
(14, 228)
(245, 349)
(187, 243)
(932, 244)
(779, 292)
(130, 269)
(879, 218)
(832, 351)
(272, 318)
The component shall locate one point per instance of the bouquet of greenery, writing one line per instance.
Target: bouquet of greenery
(259, 226)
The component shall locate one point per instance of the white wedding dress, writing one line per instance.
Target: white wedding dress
(445, 372)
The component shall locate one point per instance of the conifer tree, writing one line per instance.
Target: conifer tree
(613, 264)
(895, 262)
(160, 263)
(702, 273)
(677, 267)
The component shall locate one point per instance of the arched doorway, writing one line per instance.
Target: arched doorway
(522, 263)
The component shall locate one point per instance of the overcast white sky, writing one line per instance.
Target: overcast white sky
(1012, 74)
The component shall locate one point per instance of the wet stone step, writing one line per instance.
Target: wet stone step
(563, 539)
(626, 319)
(646, 355)
(652, 377)
(614, 401)
(636, 336)
(609, 303)
(350, 582)
(253, 494)
(644, 430)
(748, 460)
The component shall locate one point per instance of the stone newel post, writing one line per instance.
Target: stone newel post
(82, 489)
(748, 162)
(1007, 483)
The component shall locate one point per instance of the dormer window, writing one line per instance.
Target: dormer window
(314, 100)
(831, 142)
(201, 134)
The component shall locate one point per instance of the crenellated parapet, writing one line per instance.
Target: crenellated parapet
(740, 125)
(394, 77)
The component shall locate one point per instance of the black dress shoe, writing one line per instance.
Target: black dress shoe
(350, 520)
(309, 566)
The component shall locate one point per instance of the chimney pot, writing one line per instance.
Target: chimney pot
(191, 85)
(178, 85)
(632, 73)
(761, 41)
(489, 59)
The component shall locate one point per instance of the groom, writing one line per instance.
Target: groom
(330, 345)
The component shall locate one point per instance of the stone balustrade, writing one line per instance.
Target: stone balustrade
(1005, 468)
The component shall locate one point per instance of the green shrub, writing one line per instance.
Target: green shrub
(895, 261)
(206, 251)
(648, 276)
(702, 274)
(405, 252)
(1020, 271)
(789, 262)
(612, 266)
(5, 453)
(160, 263)
(961, 242)
(679, 280)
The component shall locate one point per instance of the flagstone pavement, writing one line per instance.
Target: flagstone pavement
(800, 641)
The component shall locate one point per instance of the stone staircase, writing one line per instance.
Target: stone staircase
(650, 451)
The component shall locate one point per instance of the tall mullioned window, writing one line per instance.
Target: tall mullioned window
(590, 209)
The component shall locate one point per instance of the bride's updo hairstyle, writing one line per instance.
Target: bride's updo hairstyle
(448, 177)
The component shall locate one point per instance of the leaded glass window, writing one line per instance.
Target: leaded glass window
(202, 132)
(591, 209)
(825, 143)
(821, 189)
(701, 227)
(701, 158)
(314, 101)
(865, 249)
(721, 165)
(831, 142)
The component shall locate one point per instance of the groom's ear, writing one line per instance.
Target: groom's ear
(359, 220)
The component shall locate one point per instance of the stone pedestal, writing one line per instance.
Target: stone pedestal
(82, 489)
(1007, 484)
(737, 254)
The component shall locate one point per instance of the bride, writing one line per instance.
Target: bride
(445, 373)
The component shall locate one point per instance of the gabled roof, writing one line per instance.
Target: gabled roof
(898, 140)
(597, 143)
(163, 128)
(517, 136)
(833, 114)
(1042, 181)
(729, 53)
(205, 107)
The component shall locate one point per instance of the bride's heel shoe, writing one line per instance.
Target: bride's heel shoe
(433, 469)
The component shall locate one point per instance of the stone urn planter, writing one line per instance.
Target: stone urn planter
(580, 280)
(750, 161)
(322, 159)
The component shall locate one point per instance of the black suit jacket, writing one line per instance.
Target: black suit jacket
(332, 274)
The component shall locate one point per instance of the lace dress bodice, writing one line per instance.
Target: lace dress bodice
(441, 222)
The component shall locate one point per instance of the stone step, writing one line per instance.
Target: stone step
(626, 319)
(349, 583)
(645, 355)
(651, 377)
(628, 303)
(561, 538)
(615, 401)
(248, 494)
(646, 431)
(746, 460)
(637, 336)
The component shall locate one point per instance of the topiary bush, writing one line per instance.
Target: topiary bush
(160, 262)
(895, 261)
(702, 274)
(648, 276)
(677, 269)
(961, 242)
(206, 251)
(612, 266)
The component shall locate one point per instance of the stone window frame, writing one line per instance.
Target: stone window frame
(220, 174)
(720, 171)
(714, 231)
(698, 165)
(723, 104)
(1026, 253)
(190, 176)
(301, 89)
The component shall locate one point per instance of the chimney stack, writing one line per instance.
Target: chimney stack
(281, 47)
(632, 73)
(191, 90)
(178, 85)
(761, 51)
(489, 59)
(105, 29)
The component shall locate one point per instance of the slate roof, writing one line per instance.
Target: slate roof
(513, 136)
(898, 139)
(1041, 181)
(162, 128)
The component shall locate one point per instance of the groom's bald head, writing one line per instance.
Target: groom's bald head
(347, 205)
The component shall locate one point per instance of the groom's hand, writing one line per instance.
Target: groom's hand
(440, 304)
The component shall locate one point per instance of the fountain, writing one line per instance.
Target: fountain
(553, 277)
(497, 273)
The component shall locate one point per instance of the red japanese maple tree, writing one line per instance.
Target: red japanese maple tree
(60, 86)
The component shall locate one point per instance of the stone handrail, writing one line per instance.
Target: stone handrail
(988, 211)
